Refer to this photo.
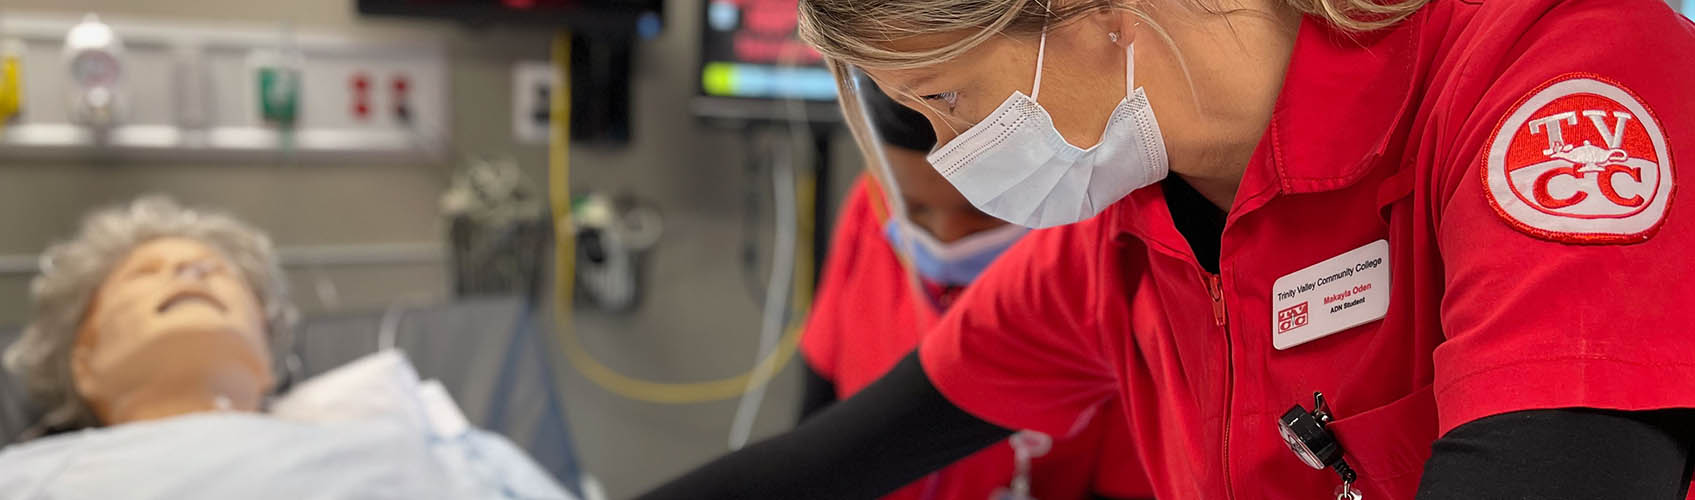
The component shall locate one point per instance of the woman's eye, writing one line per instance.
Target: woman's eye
(949, 98)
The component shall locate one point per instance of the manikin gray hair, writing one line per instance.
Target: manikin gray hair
(72, 271)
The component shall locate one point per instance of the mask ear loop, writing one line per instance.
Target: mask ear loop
(1041, 53)
(1129, 69)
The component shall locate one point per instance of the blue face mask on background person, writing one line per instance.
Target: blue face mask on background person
(957, 263)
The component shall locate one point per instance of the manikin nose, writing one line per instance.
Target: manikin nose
(193, 270)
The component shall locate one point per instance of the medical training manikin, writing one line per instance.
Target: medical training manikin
(151, 351)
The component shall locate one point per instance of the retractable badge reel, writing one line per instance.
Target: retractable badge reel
(1026, 446)
(1306, 434)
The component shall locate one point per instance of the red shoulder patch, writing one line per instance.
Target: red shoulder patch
(1580, 160)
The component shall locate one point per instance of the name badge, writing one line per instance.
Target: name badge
(1342, 292)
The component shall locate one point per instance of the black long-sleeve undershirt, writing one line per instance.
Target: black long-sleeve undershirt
(820, 392)
(1574, 453)
(895, 431)
(817, 392)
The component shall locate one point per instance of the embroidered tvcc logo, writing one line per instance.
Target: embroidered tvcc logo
(1580, 160)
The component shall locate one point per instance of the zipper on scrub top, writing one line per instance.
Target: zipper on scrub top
(1215, 287)
(1220, 317)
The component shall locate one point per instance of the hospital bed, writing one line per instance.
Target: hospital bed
(492, 354)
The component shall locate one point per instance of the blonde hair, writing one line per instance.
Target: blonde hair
(856, 33)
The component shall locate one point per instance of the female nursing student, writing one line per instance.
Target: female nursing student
(1457, 220)
(871, 313)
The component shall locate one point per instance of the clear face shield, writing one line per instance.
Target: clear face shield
(941, 268)
(864, 90)
(866, 134)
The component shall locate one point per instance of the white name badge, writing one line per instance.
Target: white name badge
(1342, 292)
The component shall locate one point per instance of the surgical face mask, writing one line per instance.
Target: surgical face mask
(1016, 166)
(956, 263)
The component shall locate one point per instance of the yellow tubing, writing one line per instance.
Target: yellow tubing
(559, 195)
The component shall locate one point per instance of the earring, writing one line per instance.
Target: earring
(1112, 36)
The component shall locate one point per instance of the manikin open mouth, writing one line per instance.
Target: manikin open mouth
(190, 296)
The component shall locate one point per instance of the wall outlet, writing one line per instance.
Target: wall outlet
(400, 98)
(532, 93)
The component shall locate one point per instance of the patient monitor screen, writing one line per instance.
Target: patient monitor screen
(749, 49)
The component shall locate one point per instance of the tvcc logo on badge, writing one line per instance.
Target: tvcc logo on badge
(1292, 317)
(1580, 160)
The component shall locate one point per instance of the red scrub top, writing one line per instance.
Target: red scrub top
(868, 316)
(1518, 159)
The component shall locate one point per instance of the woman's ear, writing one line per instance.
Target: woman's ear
(1120, 26)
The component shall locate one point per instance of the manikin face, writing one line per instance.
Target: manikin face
(174, 325)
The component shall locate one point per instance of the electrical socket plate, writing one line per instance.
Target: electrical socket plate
(532, 84)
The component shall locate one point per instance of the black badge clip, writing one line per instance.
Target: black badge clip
(1307, 436)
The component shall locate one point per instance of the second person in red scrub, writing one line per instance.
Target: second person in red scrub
(890, 275)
